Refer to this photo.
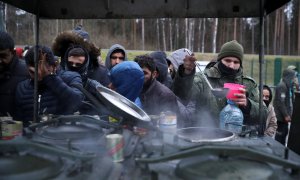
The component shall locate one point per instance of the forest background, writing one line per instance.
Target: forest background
(201, 35)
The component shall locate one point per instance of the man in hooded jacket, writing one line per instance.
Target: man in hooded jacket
(227, 69)
(283, 104)
(115, 55)
(79, 37)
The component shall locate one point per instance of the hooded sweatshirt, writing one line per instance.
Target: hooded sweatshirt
(160, 59)
(128, 79)
(110, 51)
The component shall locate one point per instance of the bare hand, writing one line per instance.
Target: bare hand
(287, 119)
(240, 98)
(189, 64)
(44, 69)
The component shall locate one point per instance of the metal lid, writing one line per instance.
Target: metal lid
(204, 134)
(121, 105)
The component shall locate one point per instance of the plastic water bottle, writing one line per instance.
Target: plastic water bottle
(168, 126)
(231, 118)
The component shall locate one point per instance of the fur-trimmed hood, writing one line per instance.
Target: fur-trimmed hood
(67, 39)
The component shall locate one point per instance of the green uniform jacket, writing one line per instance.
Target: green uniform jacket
(208, 107)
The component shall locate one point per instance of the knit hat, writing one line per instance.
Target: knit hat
(6, 41)
(231, 49)
(81, 32)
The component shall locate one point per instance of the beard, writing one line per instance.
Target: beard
(147, 84)
(267, 103)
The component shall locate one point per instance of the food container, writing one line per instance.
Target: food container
(115, 146)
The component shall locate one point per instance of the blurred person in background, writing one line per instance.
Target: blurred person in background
(271, 123)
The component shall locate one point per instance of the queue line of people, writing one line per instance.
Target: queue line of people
(145, 81)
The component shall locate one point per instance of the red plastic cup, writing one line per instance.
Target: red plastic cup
(233, 89)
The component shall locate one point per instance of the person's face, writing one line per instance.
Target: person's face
(76, 61)
(116, 58)
(266, 95)
(148, 75)
(6, 56)
(231, 62)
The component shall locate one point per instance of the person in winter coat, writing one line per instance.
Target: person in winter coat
(156, 97)
(283, 104)
(271, 124)
(127, 79)
(56, 94)
(160, 59)
(183, 73)
(79, 37)
(12, 71)
(227, 69)
(77, 60)
(116, 54)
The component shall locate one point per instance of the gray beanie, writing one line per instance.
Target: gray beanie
(178, 56)
(231, 49)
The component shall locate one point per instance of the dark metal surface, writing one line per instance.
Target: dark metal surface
(104, 9)
(294, 134)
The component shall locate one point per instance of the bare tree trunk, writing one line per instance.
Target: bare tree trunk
(252, 39)
(275, 33)
(234, 29)
(143, 35)
(134, 33)
(186, 32)
(199, 34)
(177, 33)
(203, 36)
(268, 35)
(215, 30)
(157, 34)
(241, 29)
(289, 39)
(282, 36)
(170, 34)
(164, 34)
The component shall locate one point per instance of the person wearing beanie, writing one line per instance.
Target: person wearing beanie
(227, 69)
(56, 92)
(81, 32)
(283, 103)
(12, 71)
(127, 79)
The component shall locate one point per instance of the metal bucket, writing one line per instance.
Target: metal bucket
(204, 134)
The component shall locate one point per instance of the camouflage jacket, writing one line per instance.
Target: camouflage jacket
(208, 107)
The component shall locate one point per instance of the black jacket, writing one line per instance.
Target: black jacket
(8, 82)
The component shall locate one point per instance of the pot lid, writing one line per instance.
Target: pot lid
(236, 168)
(204, 134)
(121, 105)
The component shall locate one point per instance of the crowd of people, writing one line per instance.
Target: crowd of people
(155, 82)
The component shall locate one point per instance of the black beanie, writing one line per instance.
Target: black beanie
(29, 57)
(76, 52)
(6, 41)
(231, 49)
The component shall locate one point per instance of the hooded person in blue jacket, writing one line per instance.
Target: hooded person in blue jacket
(56, 92)
(127, 79)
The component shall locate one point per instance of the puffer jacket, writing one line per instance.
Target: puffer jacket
(56, 96)
(208, 106)
(67, 39)
(9, 80)
(110, 51)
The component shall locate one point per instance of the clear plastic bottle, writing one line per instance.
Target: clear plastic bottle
(231, 118)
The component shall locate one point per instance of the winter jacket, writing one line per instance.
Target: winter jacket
(271, 123)
(160, 59)
(110, 51)
(283, 96)
(208, 106)
(158, 98)
(56, 96)
(67, 39)
(9, 79)
(128, 79)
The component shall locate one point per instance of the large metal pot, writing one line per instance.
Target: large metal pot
(204, 134)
